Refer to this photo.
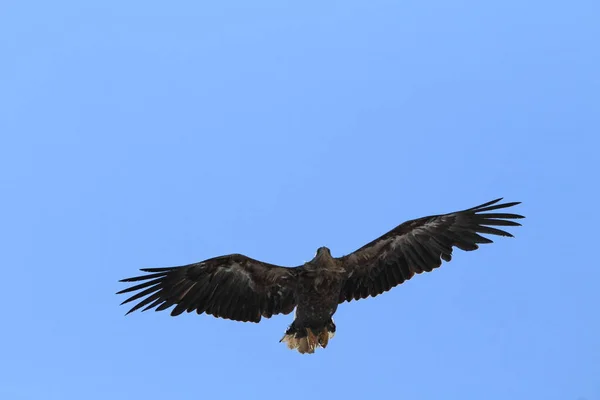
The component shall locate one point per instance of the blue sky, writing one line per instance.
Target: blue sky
(147, 134)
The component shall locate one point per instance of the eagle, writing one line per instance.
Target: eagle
(240, 288)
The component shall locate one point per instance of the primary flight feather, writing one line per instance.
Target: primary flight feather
(243, 289)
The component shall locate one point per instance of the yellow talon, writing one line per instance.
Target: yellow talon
(324, 338)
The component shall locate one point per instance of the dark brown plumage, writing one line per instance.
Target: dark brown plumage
(243, 289)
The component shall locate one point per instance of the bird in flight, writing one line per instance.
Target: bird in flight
(240, 288)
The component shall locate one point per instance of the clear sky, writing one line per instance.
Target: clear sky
(149, 133)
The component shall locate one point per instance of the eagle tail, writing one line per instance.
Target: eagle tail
(306, 339)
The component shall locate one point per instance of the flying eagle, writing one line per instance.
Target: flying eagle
(243, 289)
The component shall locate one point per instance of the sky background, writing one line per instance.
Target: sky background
(149, 133)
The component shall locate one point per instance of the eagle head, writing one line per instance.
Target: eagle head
(321, 251)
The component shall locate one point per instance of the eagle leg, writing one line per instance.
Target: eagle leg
(324, 338)
(312, 340)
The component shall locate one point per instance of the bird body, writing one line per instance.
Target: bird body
(244, 289)
(317, 298)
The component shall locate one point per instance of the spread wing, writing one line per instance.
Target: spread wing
(233, 287)
(420, 245)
